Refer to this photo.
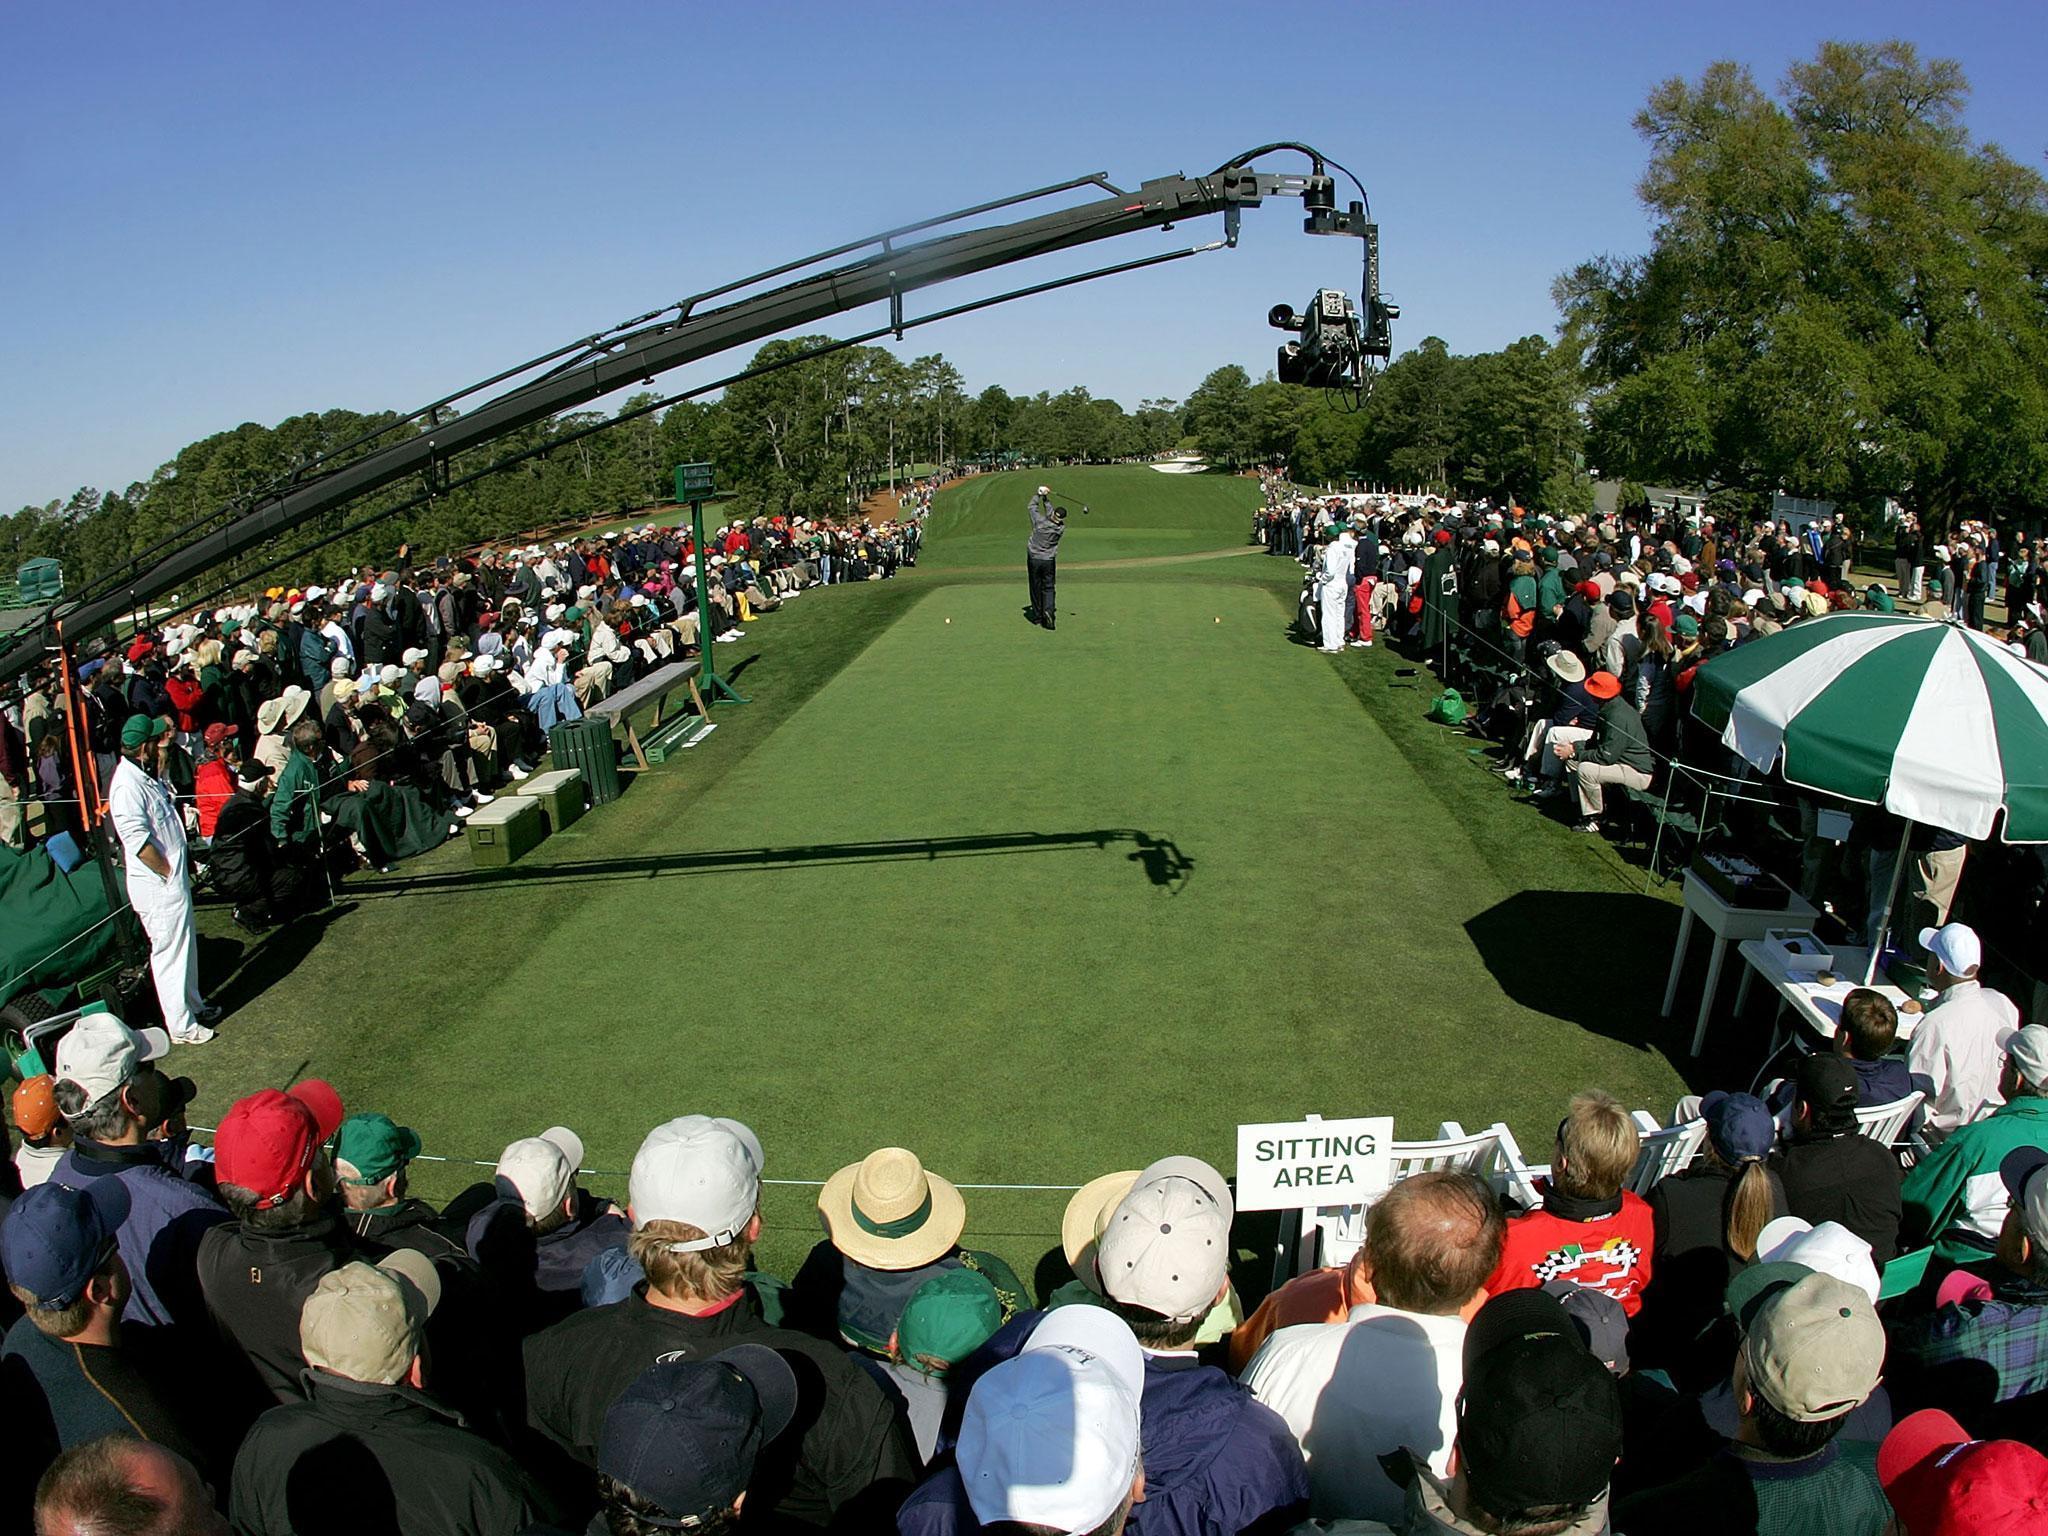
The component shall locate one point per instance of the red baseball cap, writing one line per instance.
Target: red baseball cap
(1943, 1483)
(1603, 685)
(220, 731)
(267, 1142)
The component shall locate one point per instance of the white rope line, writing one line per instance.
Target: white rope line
(612, 1173)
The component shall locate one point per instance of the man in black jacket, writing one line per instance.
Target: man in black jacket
(695, 1197)
(1830, 1171)
(369, 1450)
(257, 1270)
(243, 856)
(72, 1371)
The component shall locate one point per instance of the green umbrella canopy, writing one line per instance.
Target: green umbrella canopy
(1937, 723)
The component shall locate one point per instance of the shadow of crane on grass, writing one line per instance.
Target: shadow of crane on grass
(1160, 858)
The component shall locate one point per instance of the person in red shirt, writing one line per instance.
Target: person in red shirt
(1589, 1230)
(214, 781)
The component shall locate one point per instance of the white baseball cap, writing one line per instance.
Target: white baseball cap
(1828, 1249)
(2028, 1051)
(1166, 1247)
(1955, 945)
(702, 1171)
(411, 654)
(1050, 1438)
(543, 1168)
(100, 1053)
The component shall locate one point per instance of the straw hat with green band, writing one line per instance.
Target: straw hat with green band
(887, 1212)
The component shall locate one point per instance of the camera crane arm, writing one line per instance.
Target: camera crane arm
(636, 353)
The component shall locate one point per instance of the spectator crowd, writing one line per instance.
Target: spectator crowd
(269, 1332)
(264, 1329)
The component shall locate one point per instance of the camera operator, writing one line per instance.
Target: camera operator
(1048, 523)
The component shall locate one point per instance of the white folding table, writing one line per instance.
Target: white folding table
(1819, 1008)
(1729, 925)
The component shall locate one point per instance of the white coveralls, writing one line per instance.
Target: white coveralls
(142, 812)
(1333, 587)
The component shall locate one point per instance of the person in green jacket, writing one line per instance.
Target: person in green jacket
(295, 804)
(1954, 1196)
(1619, 752)
(1550, 588)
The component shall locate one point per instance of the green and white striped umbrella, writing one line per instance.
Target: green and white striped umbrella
(1937, 723)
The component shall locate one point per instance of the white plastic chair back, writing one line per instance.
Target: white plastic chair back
(1338, 1231)
(1667, 1149)
(1886, 1123)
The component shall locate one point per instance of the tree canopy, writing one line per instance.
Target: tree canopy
(1844, 297)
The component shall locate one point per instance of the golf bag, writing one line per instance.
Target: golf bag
(1506, 715)
(1308, 613)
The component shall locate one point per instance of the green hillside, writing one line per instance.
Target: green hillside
(1134, 511)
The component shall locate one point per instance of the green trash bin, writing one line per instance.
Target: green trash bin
(587, 745)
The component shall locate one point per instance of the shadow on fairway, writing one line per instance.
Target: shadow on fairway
(1160, 858)
(1595, 959)
(271, 958)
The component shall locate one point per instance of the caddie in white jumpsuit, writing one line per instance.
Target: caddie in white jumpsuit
(159, 887)
(1333, 584)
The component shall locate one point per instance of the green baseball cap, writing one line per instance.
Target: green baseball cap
(1686, 624)
(369, 1148)
(141, 728)
(947, 1319)
(572, 613)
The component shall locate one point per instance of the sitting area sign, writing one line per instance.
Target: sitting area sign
(1289, 1165)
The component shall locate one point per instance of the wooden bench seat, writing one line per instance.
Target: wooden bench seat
(656, 685)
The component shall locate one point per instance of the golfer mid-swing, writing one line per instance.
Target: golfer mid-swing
(1047, 524)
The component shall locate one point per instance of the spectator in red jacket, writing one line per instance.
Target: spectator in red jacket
(1589, 1230)
(214, 780)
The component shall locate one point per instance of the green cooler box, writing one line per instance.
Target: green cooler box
(505, 830)
(587, 745)
(559, 795)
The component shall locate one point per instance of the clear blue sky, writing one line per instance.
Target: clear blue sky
(226, 212)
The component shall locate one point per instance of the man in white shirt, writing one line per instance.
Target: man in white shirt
(1388, 1376)
(1960, 1043)
(153, 845)
(549, 696)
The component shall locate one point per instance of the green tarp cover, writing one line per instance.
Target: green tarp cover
(42, 911)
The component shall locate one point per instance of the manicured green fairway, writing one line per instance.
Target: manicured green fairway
(1135, 512)
(1036, 905)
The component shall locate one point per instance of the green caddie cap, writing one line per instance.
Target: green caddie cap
(947, 1319)
(141, 728)
(369, 1148)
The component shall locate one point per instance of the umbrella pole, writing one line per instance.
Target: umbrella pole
(1891, 901)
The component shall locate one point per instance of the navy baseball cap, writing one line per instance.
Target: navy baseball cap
(685, 1435)
(56, 1238)
(1739, 1124)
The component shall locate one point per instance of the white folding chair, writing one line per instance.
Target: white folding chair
(1667, 1149)
(1885, 1124)
(1338, 1231)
